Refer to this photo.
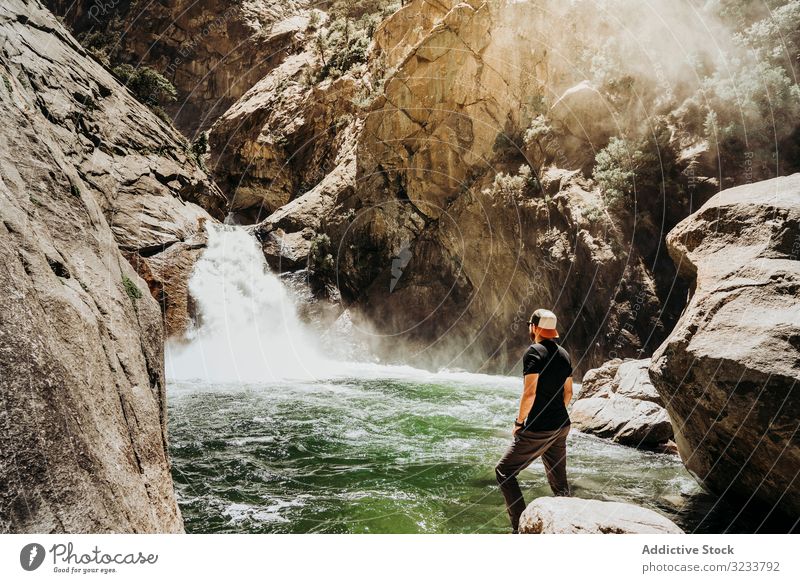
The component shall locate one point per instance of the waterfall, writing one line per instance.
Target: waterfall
(247, 328)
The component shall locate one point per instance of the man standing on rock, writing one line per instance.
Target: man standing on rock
(543, 423)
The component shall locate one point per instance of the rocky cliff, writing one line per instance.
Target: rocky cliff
(212, 51)
(427, 212)
(729, 372)
(501, 165)
(89, 177)
(442, 168)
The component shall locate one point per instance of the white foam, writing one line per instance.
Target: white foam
(249, 330)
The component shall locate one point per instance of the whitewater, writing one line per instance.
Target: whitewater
(272, 431)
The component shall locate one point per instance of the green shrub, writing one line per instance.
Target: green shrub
(513, 187)
(102, 43)
(343, 47)
(148, 85)
(752, 113)
(640, 171)
(753, 104)
(538, 130)
(320, 259)
(344, 42)
(615, 170)
(200, 149)
(134, 293)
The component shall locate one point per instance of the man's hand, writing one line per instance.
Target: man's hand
(516, 428)
(567, 391)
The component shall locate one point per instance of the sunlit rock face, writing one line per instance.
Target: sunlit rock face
(395, 162)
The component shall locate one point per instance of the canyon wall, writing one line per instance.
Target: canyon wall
(444, 227)
(441, 168)
(213, 52)
(90, 177)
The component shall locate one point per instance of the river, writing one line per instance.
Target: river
(270, 433)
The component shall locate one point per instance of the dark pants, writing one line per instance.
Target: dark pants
(527, 446)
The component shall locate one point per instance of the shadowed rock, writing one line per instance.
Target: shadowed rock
(729, 372)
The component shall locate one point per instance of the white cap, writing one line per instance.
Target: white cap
(546, 320)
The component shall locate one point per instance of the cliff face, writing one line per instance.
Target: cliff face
(508, 155)
(212, 51)
(444, 229)
(282, 138)
(446, 167)
(728, 371)
(89, 177)
(439, 172)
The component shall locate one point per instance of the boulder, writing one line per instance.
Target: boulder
(729, 371)
(565, 515)
(599, 379)
(584, 117)
(619, 402)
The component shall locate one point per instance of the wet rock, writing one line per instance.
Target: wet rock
(729, 371)
(563, 515)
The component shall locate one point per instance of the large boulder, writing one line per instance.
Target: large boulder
(89, 177)
(729, 371)
(619, 402)
(583, 116)
(564, 515)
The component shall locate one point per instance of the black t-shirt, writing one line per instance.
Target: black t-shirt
(553, 365)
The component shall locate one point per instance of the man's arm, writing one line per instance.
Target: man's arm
(528, 396)
(567, 391)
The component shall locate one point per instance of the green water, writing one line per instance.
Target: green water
(388, 450)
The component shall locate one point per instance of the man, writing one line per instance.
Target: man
(542, 425)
